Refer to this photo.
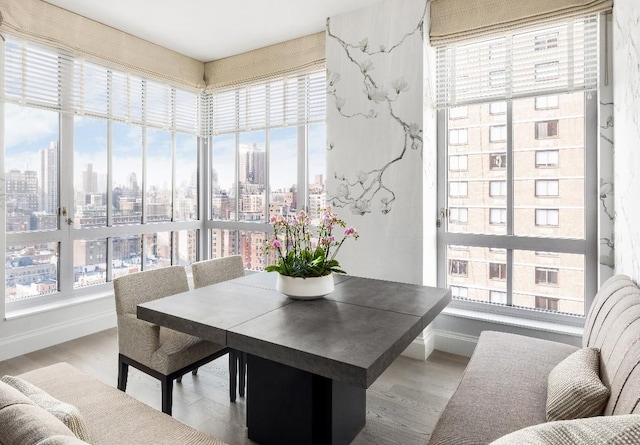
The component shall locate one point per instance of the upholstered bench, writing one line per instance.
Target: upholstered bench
(109, 416)
(504, 387)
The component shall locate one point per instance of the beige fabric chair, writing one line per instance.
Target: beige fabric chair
(158, 351)
(206, 273)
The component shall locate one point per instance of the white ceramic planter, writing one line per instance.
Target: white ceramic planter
(305, 288)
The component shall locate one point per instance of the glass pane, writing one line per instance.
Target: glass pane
(185, 247)
(223, 177)
(186, 178)
(223, 243)
(549, 166)
(283, 170)
(476, 171)
(31, 163)
(252, 250)
(252, 176)
(549, 281)
(127, 256)
(89, 262)
(31, 270)
(127, 174)
(157, 250)
(317, 161)
(90, 172)
(477, 273)
(159, 174)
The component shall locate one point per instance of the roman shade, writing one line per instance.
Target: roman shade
(41, 22)
(286, 59)
(453, 20)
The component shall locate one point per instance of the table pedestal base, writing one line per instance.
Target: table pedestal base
(288, 406)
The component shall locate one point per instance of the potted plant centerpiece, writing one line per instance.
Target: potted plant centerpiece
(306, 258)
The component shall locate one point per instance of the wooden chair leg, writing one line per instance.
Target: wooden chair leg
(179, 379)
(194, 372)
(233, 374)
(242, 372)
(166, 385)
(123, 373)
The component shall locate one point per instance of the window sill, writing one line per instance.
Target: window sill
(43, 307)
(555, 327)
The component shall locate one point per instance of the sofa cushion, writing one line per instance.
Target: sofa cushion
(111, 416)
(574, 390)
(612, 430)
(22, 422)
(68, 414)
(504, 389)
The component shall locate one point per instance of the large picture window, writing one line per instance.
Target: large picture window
(515, 205)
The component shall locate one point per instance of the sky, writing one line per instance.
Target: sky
(28, 130)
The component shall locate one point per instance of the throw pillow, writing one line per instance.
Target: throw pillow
(574, 388)
(610, 430)
(68, 414)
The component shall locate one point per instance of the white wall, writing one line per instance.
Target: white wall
(626, 92)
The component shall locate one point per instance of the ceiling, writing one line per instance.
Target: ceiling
(212, 29)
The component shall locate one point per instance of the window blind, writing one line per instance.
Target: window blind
(545, 59)
(291, 101)
(45, 78)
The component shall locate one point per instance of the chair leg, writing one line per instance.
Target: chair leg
(166, 385)
(194, 372)
(123, 373)
(233, 374)
(179, 379)
(242, 371)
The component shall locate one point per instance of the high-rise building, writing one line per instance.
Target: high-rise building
(89, 180)
(252, 165)
(22, 192)
(49, 178)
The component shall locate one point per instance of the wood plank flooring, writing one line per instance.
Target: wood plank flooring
(403, 405)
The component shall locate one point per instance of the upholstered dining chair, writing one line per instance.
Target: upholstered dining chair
(158, 351)
(206, 273)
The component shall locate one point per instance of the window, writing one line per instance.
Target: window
(497, 216)
(498, 133)
(458, 267)
(497, 108)
(498, 188)
(547, 187)
(497, 161)
(546, 129)
(547, 158)
(522, 111)
(497, 271)
(550, 254)
(547, 217)
(546, 276)
(546, 102)
(546, 303)
(458, 189)
(458, 113)
(458, 291)
(458, 136)
(546, 41)
(498, 297)
(547, 71)
(458, 215)
(263, 133)
(497, 78)
(458, 163)
(135, 135)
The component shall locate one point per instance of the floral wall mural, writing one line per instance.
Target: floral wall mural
(375, 134)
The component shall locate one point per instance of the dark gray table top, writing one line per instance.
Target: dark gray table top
(351, 335)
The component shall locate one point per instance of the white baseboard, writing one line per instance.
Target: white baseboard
(422, 346)
(455, 343)
(51, 335)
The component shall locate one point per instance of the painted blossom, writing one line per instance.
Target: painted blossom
(366, 66)
(400, 85)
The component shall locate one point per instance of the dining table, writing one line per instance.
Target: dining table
(309, 362)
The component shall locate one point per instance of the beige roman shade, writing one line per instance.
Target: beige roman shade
(297, 56)
(38, 21)
(453, 20)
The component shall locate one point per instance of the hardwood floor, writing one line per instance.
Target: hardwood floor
(403, 405)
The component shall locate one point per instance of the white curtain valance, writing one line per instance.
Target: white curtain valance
(41, 22)
(297, 56)
(454, 20)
